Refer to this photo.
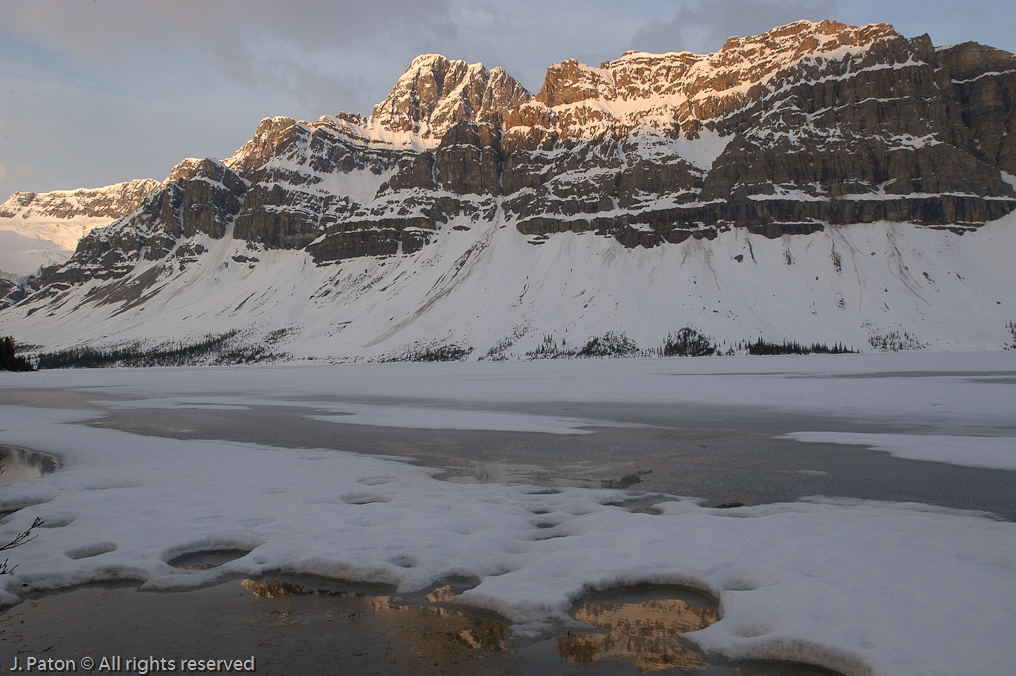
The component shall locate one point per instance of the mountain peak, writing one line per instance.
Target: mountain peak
(435, 93)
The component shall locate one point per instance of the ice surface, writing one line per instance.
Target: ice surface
(859, 587)
(458, 419)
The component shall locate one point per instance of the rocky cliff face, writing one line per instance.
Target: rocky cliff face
(809, 126)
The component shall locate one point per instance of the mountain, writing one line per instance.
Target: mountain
(818, 183)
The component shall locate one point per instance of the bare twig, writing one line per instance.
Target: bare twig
(23, 538)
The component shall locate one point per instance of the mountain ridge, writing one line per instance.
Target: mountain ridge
(810, 127)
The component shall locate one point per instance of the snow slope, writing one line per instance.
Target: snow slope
(489, 288)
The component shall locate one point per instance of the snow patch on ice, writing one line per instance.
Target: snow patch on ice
(987, 452)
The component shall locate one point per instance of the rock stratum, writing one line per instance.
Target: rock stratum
(812, 183)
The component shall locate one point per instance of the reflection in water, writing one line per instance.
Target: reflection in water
(275, 589)
(317, 626)
(645, 633)
(434, 630)
(19, 463)
(441, 594)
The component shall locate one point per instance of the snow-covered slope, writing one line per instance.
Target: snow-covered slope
(488, 290)
(819, 182)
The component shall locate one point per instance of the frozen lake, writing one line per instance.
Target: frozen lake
(540, 481)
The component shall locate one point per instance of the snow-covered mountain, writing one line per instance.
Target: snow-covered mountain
(816, 183)
(43, 229)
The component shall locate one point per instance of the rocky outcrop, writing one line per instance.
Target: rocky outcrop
(783, 133)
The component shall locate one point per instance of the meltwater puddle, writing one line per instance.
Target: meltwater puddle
(317, 626)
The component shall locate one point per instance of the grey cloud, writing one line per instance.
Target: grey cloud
(704, 27)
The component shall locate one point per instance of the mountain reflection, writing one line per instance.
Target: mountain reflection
(428, 632)
(20, 463)
(428, 636)
(644, 633)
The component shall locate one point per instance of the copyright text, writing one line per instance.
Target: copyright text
(131, 665)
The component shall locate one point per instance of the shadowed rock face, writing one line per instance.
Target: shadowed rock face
(782, 133)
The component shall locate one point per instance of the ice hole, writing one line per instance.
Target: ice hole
(640, 624)
(403, 561)
(17, 507)
(90, 550)
(364, 498)
(210, 558)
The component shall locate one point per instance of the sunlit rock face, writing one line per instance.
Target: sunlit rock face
(435, 94)
(111, 201)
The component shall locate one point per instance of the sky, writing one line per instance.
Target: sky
(93, 92)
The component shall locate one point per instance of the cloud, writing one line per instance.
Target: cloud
(704, 27)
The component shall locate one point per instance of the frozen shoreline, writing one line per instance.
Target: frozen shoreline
(855, 586)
